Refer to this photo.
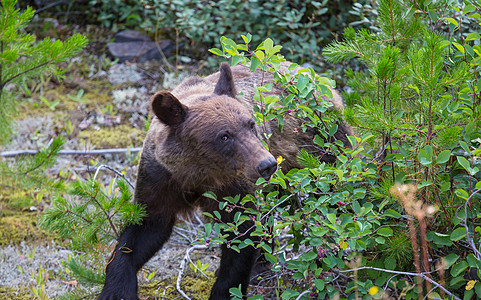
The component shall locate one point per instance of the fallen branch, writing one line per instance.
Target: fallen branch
(422, 275)
(115, 171)
(74, 152)
(182, 267)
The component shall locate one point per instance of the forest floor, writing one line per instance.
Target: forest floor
(99, 104)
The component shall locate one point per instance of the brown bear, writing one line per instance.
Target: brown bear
(202, 138)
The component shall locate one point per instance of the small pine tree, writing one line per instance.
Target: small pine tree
(22, 57)
(92, 217)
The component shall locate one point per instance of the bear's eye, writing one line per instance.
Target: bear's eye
(252, 126)
(224, 138)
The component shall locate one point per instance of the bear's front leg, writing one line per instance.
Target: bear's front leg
(235, 269)
(137, 244)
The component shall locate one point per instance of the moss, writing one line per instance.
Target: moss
(194, 285)
(13, 197)
(16, 227)
(97, 95)
(113, 137)
(17, 293)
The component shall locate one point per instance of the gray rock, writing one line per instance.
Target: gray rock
(130, 36)
(133, 46)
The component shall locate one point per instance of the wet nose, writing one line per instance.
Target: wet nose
(267, 167)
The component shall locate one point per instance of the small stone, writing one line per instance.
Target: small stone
(133, 46)
(130, 36)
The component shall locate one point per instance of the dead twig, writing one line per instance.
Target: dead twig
(422, 275)
(182, 267)
(74, 152)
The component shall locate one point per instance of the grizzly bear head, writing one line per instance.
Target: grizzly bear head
(212, 137)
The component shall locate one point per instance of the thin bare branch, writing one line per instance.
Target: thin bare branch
(182, 267)
(74, 152)
(422, 275)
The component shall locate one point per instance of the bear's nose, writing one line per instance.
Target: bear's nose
(267, 167)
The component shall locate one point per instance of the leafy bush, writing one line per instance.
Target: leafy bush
(301, 26)
(417, 109)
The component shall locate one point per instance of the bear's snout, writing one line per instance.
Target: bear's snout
(267, 167)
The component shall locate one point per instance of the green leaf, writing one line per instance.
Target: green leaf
(464, 163)
(462, 194)
(208, 229)
(390, 263)
(319, 283)
(333, 130)
(331, 218)
(255, 63)
(477, 288)
(473, 261)
(459, 268)
(309, 256)
(247, 38)
(443, 157)
(450, 260)
(459, 47)
(465, 146)
(216, 51)
(458, 234)
(392, 213)
(473, 36)
(268, 43)
(302, 82)
(385, 231)
(270, 258)
(452, 21)
(237, 59)
(210, 195)
(316, 242)
(236, 292)
(424, 158)
(260, 55)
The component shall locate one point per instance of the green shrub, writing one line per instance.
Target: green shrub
(301, 26)
(416, 106)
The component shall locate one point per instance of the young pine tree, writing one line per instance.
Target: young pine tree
(22, 58)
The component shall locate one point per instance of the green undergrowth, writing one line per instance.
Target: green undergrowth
(194, 285)
(95, 95)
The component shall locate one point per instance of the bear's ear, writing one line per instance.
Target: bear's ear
(168, 109)
(225, 85)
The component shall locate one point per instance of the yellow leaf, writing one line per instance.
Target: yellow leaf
(470, 285)
(343, 245)
(373, 290)
(280, 159)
